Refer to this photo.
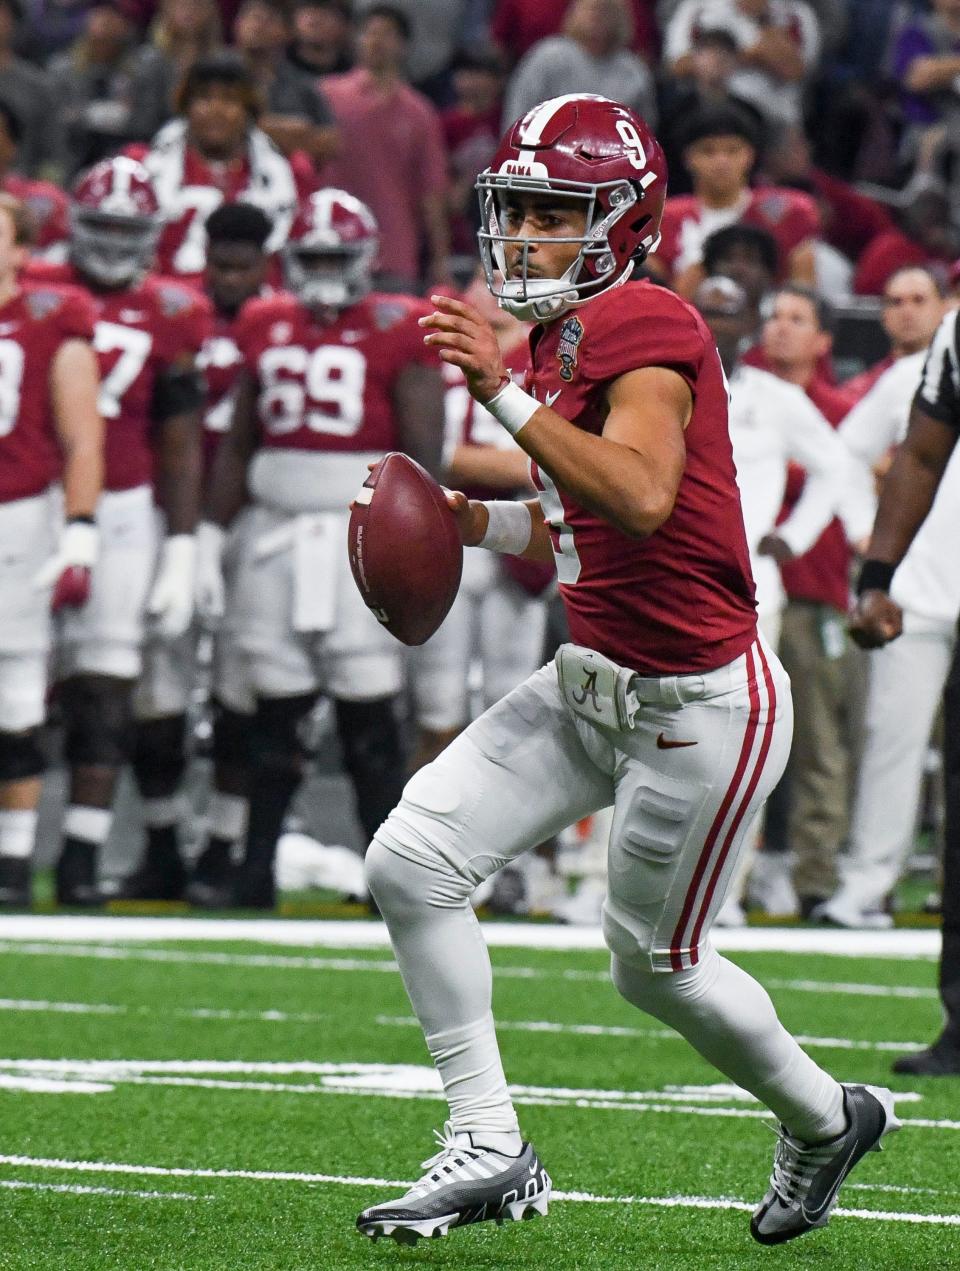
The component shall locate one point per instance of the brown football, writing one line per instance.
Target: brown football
(405, 548)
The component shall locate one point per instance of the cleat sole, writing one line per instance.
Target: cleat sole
(408, 1233)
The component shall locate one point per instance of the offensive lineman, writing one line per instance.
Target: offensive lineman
(50, 431)
(668, 704)
(147, 334)
(334, 377)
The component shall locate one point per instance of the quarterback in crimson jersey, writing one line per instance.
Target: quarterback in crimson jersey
(147, 335)
(50, 432)
(666, 704)
(334, 376)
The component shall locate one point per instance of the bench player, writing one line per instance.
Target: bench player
(666, 704)
(334, 376)
(50, 433)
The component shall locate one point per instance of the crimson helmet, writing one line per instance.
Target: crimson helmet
(329, 253)
(115, 221)
(585, 148)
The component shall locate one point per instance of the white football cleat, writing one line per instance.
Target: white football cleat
(464, 1183)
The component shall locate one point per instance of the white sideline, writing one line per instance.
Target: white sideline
(77, 1189)
(346, 1180)
(902, 943)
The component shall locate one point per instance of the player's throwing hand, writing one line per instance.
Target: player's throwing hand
(463, 337)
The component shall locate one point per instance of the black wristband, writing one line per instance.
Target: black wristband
(84, 520)
(875, 575)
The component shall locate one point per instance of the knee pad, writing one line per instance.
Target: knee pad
(275, 741)
(98, 717)
(231, 736)
(160, 755)
(21, 756)
(402, 885)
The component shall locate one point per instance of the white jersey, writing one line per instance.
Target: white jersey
(927, 582)
(771, 423)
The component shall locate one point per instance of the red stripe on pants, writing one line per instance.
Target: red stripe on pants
(676, 960)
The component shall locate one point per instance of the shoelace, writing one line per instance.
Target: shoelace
(795, 1163)
(450, 1155)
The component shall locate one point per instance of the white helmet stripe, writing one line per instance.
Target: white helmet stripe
(535, 121)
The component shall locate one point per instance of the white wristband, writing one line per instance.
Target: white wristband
(509, 527)
(512, 407)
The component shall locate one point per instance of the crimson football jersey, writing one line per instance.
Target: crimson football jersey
(140, 332)
(330, 387)
(47, 204)
(33, 326)
(789, 215)
(682, 600)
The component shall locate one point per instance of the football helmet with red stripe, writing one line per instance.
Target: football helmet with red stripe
(329, 254)
(115, 222)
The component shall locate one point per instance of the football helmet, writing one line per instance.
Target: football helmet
(591, 150)
(329, 253)
(115, 221)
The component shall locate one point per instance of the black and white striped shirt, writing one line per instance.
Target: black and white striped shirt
(939, 391)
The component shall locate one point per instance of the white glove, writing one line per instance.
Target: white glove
(171, 598)
(209, 589)
(68, 570)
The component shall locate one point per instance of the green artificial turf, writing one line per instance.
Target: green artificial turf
(265, 1005)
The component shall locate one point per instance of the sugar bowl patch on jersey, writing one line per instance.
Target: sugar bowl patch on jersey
(571, 333)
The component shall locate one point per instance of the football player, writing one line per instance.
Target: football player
(46, 202)
(212, 154)
(147, 336)
(334, 376)
(500, 611)
(667, 703)
(50, 432)
(237, 265)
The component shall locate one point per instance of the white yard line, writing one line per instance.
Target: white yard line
(77, 1189)
(346, 1180)
(295, 962)
(373, 935)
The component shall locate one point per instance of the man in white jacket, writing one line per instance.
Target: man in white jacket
(907, 676)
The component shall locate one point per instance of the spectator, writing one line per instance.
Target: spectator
(214, 153)
(182, 32)
(396, 163)
(925, 237)
(720, 151)
(108, 90)
(813, 645)
(519, 24)
(26, 90)
(471, 131)
(926, 64)
(436, 32)
(46, 203)
(912, 309)
(322, 37)
(778, 43)
(592, 55)
(297, 116)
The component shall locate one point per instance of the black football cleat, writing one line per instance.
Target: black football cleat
(153, 882)
(464, 1183)
(15, 882)
(76, 883)
(942, 1059)
(807, 1176)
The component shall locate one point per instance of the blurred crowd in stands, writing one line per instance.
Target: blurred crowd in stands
(813, 217)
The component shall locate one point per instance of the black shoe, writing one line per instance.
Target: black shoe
(807, 1176)
(211, 895)
(155, 882)
(942, 1059)
(254, 889)
(211, 884)
(15, 889)
(76, 876)
(808, 904)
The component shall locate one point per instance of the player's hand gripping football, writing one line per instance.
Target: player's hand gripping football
(876, 620)
(463, 337)
(471, 516)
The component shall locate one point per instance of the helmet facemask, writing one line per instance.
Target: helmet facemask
(329, 277)
(110, 248)
(595, 268)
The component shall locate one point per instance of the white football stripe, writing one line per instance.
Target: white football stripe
(347, 1180)
(78, 1189)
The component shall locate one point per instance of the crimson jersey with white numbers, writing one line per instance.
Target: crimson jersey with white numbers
(330, 386)
(33, 326)
(682, 600)
(140, 333)
(220, 360)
